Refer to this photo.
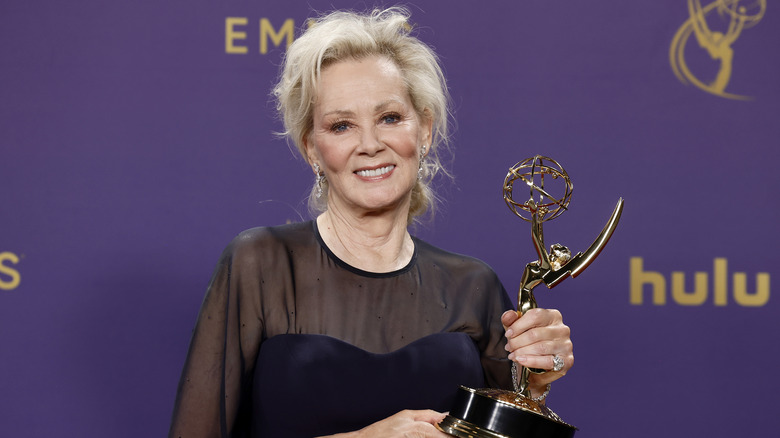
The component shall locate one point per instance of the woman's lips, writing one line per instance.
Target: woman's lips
(376, 172)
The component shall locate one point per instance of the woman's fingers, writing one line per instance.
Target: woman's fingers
(408, 423)
(546, 362)
(533, 318)
(508, 318)
(427, 416)
(539, 339)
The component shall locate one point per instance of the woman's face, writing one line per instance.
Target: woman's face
(366, 136)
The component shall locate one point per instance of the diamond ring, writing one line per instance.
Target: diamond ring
(557, 363)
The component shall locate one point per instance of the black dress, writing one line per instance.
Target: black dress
(293, 342)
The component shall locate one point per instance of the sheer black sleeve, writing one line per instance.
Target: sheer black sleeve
(497, 367)
(213, 397)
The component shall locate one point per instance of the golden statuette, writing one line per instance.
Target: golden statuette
(496, 413)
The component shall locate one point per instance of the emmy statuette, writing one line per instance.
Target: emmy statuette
(496, 413)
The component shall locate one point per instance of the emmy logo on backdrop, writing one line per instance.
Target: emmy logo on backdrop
(495, 413)
(734, 18)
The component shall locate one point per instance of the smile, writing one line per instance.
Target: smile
(375, 172)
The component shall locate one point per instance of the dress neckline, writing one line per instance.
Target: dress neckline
(359, 271)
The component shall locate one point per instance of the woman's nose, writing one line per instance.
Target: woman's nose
(370, 142)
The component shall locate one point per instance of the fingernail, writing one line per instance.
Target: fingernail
(509, 333)
(511, 356)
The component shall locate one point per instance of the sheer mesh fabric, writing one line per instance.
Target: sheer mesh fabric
(370, 330)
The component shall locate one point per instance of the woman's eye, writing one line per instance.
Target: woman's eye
(391, 118)
(339, 127)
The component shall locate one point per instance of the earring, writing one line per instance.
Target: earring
(421, 168)
(319, 181)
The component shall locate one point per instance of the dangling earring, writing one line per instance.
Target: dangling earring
(421, 169)
(319, 181)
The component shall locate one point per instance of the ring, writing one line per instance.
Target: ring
(557, 363)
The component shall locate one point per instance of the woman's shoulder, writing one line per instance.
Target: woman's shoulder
(270, 239)
(478, 284)
(452, 261)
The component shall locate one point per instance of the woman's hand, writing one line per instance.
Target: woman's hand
(411, 424)
(535, 340)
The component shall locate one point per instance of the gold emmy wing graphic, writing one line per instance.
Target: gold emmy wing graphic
(731, 18)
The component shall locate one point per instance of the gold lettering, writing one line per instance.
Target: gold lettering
(231, 35)
(267, 30)
(10, 272)
(720, 283)
(639, 277)
(759, 298)
(681, 296)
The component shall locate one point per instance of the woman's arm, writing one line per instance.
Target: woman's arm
(418, 424)
(214, 392)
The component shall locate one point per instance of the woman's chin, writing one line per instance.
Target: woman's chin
(376, 205)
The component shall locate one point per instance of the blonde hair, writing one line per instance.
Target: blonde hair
(346, 35)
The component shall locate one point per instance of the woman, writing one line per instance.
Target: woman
(347, 324)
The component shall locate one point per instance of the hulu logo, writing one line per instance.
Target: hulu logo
(719, 291)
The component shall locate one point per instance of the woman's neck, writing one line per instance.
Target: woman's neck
(373, 243)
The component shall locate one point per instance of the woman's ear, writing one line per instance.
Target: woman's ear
(427, 127)
(309, 150)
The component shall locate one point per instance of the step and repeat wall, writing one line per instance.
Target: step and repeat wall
(137, 138)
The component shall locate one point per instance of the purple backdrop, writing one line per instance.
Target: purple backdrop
(134, 148)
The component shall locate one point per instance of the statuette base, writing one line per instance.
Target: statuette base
(495, 413)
